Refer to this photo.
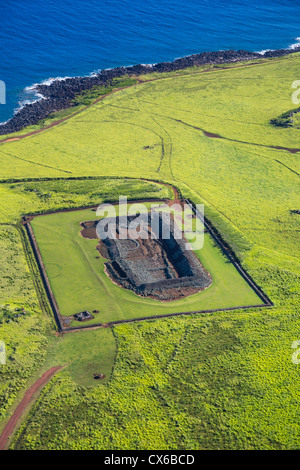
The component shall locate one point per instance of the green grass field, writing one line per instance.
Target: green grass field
(207, 381)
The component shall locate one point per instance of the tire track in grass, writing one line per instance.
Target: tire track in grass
(141, 82)
(62, 120)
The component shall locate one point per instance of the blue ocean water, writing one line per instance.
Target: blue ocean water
(54, 38)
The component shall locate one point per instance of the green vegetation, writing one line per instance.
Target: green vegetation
(85, 354)
(218, 381)
(28, 335)
(81, 101)
(76, 274)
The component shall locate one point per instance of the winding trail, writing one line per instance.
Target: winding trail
(27, 399)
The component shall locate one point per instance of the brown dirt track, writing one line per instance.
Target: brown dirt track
(27, 399)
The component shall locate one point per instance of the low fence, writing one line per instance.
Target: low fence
(232, 258)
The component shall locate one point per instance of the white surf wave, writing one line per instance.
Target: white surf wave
(47, 82)
(264, 51)
(32, 97)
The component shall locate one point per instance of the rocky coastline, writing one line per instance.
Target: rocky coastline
(59, 94)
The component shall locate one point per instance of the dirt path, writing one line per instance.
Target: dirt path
(27, 399)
